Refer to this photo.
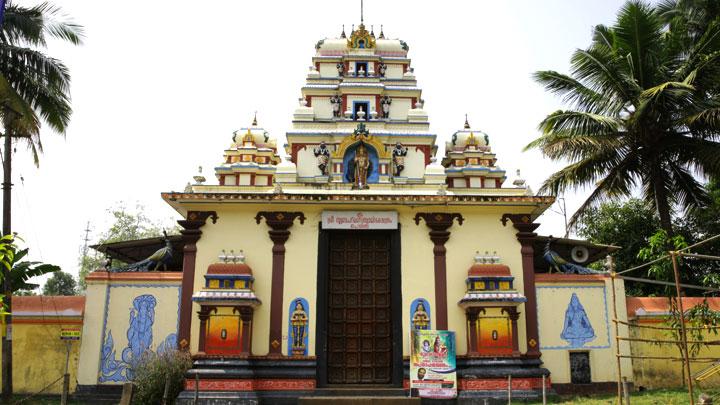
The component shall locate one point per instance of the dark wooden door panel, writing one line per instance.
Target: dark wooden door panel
(359, 315)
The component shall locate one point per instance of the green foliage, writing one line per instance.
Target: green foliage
(151, 373)
(127, 224)
(643, 113)
(700, 321)
(628, 224)
(34, 86)
(659, 245)
(22, 271)
(60, 283)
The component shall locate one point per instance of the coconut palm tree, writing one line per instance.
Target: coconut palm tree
(643, 113)
(34, 88)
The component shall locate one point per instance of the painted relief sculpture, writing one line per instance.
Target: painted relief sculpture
(385, 102)
(420, 316)
(160, 258)
(398, 154)
(561, 265)
(360, 167)
(577, 329)
(322, 153)
(299, 321)
(139, 336)
(336, 103)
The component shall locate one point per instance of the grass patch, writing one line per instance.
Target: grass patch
(655, 397)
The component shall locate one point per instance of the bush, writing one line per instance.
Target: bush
(151, 372)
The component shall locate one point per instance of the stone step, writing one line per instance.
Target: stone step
(367, 391)
(358, 400)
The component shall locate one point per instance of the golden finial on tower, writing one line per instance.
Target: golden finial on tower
(467, 124)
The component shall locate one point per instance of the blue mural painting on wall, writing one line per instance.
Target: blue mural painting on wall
(420, 314)
(139, 337)
(298, 327)
(577, 329)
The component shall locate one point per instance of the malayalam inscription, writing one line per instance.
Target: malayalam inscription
(359, 220)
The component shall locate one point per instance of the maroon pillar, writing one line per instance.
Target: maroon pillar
(439, 223)
(191, 234)
(472, 319)
(204, 315)
(279, 222)
(523, 223)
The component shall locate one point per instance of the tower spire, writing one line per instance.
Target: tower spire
(467, 125)
(361, 12)
(254, 123)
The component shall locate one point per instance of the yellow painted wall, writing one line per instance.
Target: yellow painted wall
(39, 358)
(596, 299)
(237, 229)
(653, 374)
(90, 349)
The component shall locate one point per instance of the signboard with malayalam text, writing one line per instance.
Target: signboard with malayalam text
(432, 363)
(70, 333)
(359, 220)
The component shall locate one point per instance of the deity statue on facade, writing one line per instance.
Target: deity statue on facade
(577, 329)
(322, 153)
(299, 322)
(340, 69)
(385, 102)
(398, 154)
(420, 318)
(359, 168)
(382, 68)
(336, 103)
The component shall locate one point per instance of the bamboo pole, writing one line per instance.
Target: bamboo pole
(617, 331)
(686, 360)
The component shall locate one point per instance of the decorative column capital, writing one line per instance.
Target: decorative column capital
(279, 220)
(194, 221)
(438, 221)
(522, 222)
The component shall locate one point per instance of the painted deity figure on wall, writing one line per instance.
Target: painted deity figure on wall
(322, 153)
(420, 318)
(382, 68)
(341, 69)
(299, 322)
(398, 154)
(577, 329)
(361, 168)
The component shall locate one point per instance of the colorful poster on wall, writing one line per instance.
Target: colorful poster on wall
(432, 363)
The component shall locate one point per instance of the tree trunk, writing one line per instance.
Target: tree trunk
(7, 388)
(663, 205)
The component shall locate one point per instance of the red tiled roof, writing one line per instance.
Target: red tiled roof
(62, 306)
(229, 268)
(490, 270)
(661, 305)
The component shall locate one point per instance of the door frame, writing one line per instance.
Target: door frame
(396, 362)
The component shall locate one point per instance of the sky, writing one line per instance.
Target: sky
(159, 86)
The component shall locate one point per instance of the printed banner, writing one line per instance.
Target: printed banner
(432, 363)
(359, 220)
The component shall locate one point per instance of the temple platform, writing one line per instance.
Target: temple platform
(286, 380)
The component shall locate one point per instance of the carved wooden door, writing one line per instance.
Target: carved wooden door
(359, 317)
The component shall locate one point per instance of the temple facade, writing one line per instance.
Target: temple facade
(306, 268)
